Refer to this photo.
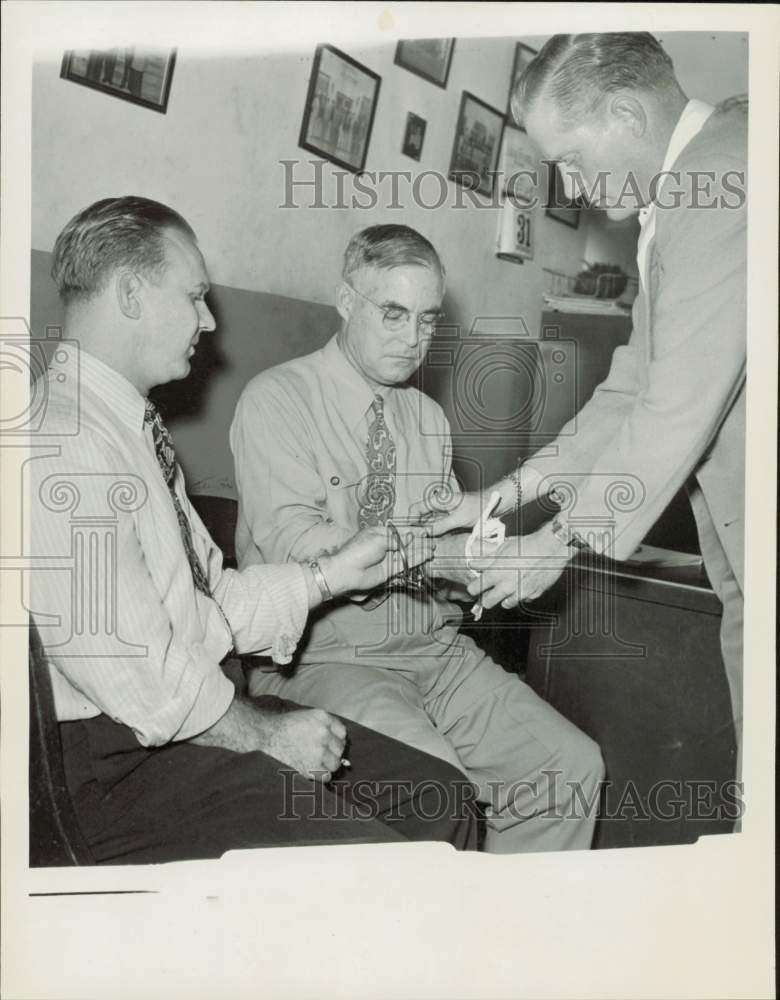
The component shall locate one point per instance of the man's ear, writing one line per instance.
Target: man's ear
(345, 300)
(630, 112)
(128, 294)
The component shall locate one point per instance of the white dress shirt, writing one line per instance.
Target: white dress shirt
(694, 115)
(126, 631)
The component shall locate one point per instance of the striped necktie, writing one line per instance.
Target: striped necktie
(377, 496)
(166, 457)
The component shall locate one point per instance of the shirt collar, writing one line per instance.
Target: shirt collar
(694, 115)
(105, 382)
(357, 395)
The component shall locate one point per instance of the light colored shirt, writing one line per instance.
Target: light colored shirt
(299, 440)
(126, 631)
(690, 123)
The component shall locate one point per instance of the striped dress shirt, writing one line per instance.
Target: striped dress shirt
(126, 631)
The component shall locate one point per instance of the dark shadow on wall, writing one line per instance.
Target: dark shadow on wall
(188, 397)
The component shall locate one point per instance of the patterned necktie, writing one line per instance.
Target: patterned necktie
(163, 449)
(377, 496)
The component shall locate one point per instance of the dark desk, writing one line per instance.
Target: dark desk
(631, 654)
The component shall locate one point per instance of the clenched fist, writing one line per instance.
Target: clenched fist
(309, 740)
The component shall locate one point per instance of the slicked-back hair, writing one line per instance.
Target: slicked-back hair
(389, 246)
(113, 233)
(577, 72)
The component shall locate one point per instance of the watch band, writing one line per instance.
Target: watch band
(567, 535)
(319, 579)
(515, 479)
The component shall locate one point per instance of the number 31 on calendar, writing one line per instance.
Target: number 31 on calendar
(515, 233)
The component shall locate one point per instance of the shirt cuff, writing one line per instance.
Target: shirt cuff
(289, 594)
(267, 607)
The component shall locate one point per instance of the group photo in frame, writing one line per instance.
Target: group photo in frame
(141, 76)
(476, 145)
(429, 58)
(340, 108)
(519, 172)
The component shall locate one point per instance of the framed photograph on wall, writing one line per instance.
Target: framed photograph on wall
(519, 167)
(559, 206)
(476, 145)
(340, 108)
(142, 76)
(523, 56)
(414, 136)
(429, 58)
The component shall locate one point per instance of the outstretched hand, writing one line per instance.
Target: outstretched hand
(463, 511)
(522, 569)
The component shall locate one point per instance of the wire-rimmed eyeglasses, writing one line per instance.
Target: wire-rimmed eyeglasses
(396, 317)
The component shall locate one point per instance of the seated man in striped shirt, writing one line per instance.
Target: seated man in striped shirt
(339, 439)
(164, 758)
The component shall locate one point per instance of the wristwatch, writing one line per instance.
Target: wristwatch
(567, 535)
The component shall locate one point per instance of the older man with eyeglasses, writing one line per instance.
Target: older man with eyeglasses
(338, 440)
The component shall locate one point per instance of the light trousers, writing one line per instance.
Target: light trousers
(538, 775)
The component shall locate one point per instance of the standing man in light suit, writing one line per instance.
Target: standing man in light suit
(609, 110)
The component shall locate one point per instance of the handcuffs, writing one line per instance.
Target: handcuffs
(412, 579)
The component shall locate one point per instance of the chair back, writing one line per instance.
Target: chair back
(55, 836)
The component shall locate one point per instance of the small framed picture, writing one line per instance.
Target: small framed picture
(414, 135)
(559, 206)
(429, 58)
(519, 168)
(142, 76)
(340, 108)
(524, 54)
(476, 146)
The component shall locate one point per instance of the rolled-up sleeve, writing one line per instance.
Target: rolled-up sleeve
(143, 651)
(267, 608)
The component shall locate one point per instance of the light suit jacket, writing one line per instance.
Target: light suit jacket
(674, 400)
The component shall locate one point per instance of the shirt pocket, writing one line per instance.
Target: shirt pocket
(342, 496)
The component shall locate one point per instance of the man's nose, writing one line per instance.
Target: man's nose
(207, 322)
(410, 331)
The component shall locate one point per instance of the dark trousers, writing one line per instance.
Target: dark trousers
(139, 805)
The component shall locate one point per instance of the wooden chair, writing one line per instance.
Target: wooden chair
(55, 837)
